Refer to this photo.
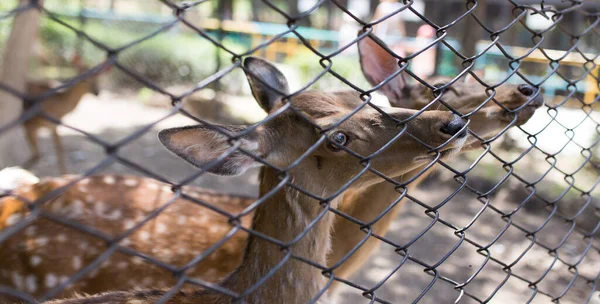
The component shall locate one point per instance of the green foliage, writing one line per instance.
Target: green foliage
(307, 64)
(169, 58)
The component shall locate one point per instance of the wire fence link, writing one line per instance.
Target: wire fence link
(523, 231)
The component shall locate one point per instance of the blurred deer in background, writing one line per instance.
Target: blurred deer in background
(362, 203)
(57, 106)
(287, 213)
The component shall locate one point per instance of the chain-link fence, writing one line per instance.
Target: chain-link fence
(502, 143)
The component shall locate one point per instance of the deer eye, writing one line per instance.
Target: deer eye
(340, 138)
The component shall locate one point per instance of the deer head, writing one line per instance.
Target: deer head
(378, 63)
(289, 133)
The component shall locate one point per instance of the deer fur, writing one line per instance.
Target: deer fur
(287, 213)
(363, 203)
(464, 96)
(56, 106)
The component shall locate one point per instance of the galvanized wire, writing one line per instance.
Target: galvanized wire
(504, 170)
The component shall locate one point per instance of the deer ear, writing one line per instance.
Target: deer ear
(201, 146)
(267, 83)
(377, 64)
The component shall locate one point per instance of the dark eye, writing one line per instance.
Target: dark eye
(339, 138)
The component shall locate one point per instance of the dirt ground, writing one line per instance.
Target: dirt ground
(114, 118)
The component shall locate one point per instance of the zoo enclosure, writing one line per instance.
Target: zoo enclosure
(573, 70)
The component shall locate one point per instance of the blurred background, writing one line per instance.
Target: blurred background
(174, 57)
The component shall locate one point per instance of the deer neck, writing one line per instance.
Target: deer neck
(284, 216)
(73, 96)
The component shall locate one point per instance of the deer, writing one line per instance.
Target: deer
(309, 137)
(513, 105)
(344, 237)
(56, 106)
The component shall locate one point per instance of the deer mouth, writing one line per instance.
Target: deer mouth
(537, 102)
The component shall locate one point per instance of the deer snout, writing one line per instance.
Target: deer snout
(529, 91)
(455, 126)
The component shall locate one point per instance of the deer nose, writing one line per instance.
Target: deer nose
(455, 126)
(526, 89)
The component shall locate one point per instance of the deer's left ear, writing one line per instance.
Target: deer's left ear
(377, 64)
(267, 83)
(204, 147)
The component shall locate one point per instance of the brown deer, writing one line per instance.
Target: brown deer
(377, 65)
(56, 106)
(317, 125)
(345, 234)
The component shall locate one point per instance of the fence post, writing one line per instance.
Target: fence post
(472, 31)
(14, 73)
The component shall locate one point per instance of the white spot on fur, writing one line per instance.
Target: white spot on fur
(30, 231)
(181, 250)
(82, 188)
(125, 242)
(137, 260)
(51, 280)
(130, 182)
(77, 262)
(144, 236)
(13, 219)
(122, 265)
(217, 229)
(109, 180)
(61, 238)
(161, 228)
(128, 224)
(114, 215)
(166, 253)
(84, 181)
(17, 279)
(83, 245)
(94, 273)
(41, 241)
(35, 260)
(76, 209)
(99, 208)
(181, 219)
(152, 185)
(166, 188)
(31, 283)
(57, 205)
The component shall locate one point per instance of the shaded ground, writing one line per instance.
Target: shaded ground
(113, 119)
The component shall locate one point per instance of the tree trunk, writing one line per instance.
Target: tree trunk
(225, 9)
(256, 9)
(472, 31)
(372, 6)
(17, 55)
(294, 12)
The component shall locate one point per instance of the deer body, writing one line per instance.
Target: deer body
(45, 253)
(286, 215)
(57, 106)
(364, 203)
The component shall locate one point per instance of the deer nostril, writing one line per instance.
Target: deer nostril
(526, 89)
(455, 126)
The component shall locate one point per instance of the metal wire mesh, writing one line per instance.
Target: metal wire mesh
(575, 267)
